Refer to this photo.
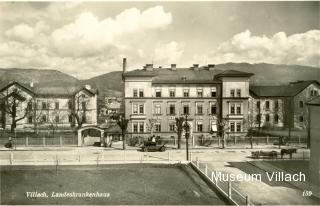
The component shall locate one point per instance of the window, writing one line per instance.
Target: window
(141, 109)
(44, 105)
(301, 118)
(276, 118)
(30, 120)
(313, 92)
(135, 93)
(158, 127)
(138, 127)
(29, 106)
(57, 119)
(258, 104)
(138, 108)
(238, 92)
(238, 108)
(232, 93)
(238, 126)
(213, 109)
(199, 109)
(185, 92)
(135, 127)
(44, 118)
(84, 119)
(199, 92)
(157, 109)
(199, 127)
(83, 105)
(141, 127)
(267, 105)
(276, 105)
(172, 127)
(301, 104)
(232, 127)
(158, 92)
(172, 92)
(267, 118)
(213, 92)
(232, 109)
(185, 109)
(135, 109)
(141, 93)
(56, 105)
(235, 108)
(172, 109)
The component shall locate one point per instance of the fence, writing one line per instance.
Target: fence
(224, 187)
(65, 158)
(42, 141)
(198, 141)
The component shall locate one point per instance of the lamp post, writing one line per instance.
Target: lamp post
(187, 134)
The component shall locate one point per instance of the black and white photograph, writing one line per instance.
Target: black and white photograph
(159, 102)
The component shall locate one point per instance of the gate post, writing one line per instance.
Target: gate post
(79, 138)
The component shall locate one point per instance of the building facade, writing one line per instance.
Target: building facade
(314, 133)
(283, 105)
(154, 97)
(42, 106)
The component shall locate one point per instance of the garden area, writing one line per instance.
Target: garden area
(134, 184)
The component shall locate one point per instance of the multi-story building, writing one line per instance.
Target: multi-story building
(283, 105)
(42, 106)
(314, 134)
(154, 97)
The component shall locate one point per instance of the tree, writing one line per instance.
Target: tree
(17, 106)
(222, 122)
(151, 124)
(79, 109)
(122, 122)
(179, 129)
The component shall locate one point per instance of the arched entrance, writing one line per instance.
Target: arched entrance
(86, 140)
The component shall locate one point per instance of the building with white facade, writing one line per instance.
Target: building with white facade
(205, 94)
(42, 106)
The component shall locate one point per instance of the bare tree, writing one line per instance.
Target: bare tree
(179, 129)
(122, 122)
(17, 106)
(79, 109)
(150, 125)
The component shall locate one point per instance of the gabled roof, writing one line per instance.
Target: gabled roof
(289, 90)
(185, 75)
(50, 91)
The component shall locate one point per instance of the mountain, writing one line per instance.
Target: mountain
(109, 84)
(37, 76)
(274, 74)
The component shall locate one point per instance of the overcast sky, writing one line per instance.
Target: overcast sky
(89, 39)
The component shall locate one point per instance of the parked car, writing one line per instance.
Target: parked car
(149, 146)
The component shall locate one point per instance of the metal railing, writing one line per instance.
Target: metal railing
(224, 187)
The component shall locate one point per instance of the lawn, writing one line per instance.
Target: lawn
(134, 184)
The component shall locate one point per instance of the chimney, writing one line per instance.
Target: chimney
(196, 67)
(149, 67)
(31, 84)
(211, 67)
(173, 67)
(124, 65)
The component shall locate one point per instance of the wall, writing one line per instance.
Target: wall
(315, 144)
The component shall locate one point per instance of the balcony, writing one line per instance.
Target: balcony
(138, 116)
(235, 116)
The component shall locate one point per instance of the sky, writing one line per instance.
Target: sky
(86, 39)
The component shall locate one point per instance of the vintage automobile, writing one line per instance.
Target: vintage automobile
(149, 146)
(264, 154)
